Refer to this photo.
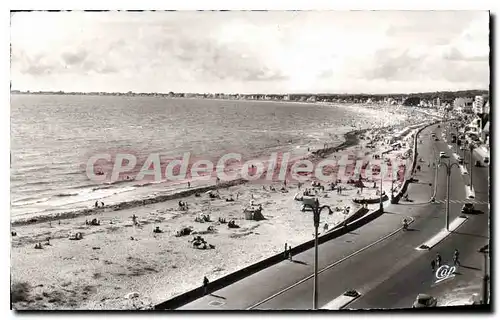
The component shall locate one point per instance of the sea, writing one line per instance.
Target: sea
(53, 136)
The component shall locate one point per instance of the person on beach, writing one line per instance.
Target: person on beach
(189, 184)
(205, 285)
(134, 219)
(97, 204)
(102, 204)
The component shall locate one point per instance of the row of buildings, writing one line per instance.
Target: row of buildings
(478, 110)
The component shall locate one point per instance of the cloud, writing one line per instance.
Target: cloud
(249, 51)
(454, 54)
(74, 58)
(391, 64)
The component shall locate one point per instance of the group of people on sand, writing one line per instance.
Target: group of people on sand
(183, 205)
(203, 218)
(93, 222)
(272, 188)
(199, 243)
(96, 205)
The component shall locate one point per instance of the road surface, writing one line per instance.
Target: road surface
(390, 272)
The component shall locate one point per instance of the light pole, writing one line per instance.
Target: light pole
(381, 203)
(435, 163)
(392, 189)
(448, 174)
(316, 209)
(471, 150)
(485, 251)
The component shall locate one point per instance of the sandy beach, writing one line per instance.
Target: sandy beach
(120, 257)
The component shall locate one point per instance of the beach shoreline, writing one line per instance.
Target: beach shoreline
(350, 139)
(131, 258)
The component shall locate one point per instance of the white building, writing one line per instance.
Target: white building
(477, 105)
(459, 103)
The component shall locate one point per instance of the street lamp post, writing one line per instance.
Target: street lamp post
(316, 209)
(471, 150)
(448, 174)
(485, 251)
(381, 200)
(392, 189)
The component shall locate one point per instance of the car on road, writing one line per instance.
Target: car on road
(442, 154)
(478, 163)
(460, 160)
(468, 208)
(439, 126)
(436, 139)
(424, 301)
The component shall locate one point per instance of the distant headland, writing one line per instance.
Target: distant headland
(443, 96)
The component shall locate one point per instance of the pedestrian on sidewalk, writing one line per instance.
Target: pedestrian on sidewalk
(285, 252)
(205, 285)
(433, 265)
(290, 253)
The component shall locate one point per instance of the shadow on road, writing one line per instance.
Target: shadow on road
(469, 267)
(217, 296)
(299, 262)
(387, 212)
(470, 234)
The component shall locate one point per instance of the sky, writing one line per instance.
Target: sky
(250, 52)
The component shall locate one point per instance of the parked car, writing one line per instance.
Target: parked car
(460, 160)
(442, 155)
(436, 139)
(424, 301)
(468, 208)
(478, 163)
(439, 126)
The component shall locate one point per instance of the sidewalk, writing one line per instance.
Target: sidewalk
(251, 290)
